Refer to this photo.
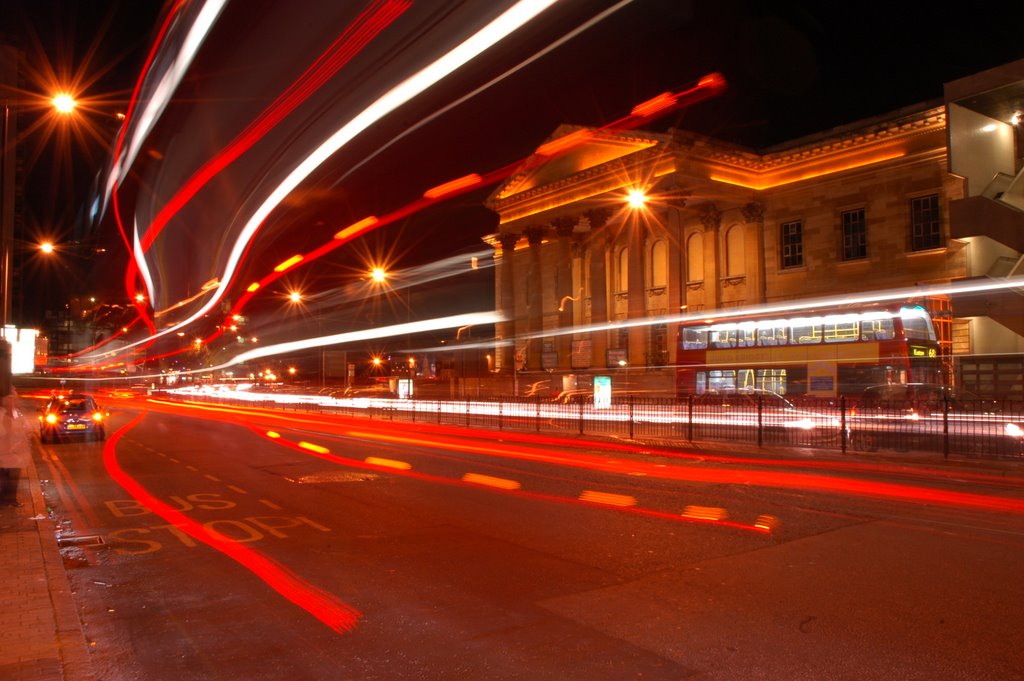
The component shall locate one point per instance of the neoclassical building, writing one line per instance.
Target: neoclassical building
(601, 248)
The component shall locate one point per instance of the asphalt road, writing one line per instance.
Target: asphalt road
(238, 544)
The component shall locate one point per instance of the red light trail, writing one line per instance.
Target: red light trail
(336, 614)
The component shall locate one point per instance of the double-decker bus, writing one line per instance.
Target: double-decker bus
(820, 353)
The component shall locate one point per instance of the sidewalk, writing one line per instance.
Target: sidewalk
(40, 633)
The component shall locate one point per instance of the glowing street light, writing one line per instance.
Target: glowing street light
(295, 297)
(378, 274)
(64, 103)
(46, 247)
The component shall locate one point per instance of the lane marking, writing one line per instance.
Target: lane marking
(235, 488)
(192, 468)
(271, 504)
(608, 498)
(388, 463)
(212, 477)
(490, 481)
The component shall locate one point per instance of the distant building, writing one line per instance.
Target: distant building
(889, 203)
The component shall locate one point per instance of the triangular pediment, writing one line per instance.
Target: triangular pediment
(588, 149)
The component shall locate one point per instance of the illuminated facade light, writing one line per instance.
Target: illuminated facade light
(636, 198)
(1015, 118)
(565, 143)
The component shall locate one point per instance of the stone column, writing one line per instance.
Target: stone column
(753, 214)
(563, 289)
(535, 300)
(637, 286)
(711, 218)
(507, 303)
(598, 245)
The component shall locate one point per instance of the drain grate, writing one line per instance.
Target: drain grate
(84, 540)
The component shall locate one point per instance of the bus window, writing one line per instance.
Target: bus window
(745, 379)
(841, 329)
(805, 331)
(772, 333)
(772, 380)
(723, 337)
(916, 324)
(745, 338)
(695, 339)
(877, 329)
(721, 380)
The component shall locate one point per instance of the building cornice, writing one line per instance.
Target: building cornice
(904, 137)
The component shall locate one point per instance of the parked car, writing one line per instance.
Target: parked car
(72, 415)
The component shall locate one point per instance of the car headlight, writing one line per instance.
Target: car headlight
(1013, 430)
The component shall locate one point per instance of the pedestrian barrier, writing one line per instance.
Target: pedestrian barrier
(982, 429)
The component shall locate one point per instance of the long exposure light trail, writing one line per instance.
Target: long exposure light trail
(499, 28)
(326, 607)
(494, 81)
(565, 452)
(169, 80)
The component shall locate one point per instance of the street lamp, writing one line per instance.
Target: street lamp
(63, 104)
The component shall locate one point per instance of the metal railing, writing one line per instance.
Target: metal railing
(982, 429)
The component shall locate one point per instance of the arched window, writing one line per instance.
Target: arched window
(734, 265)
(622, 280)
(695, 257)
(659, 264)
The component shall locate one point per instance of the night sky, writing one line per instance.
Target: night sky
(793, 68)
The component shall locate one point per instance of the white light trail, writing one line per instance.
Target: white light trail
(498, 29)
(963, 288)
(140, 258)
(171, 78)
(469, 95)
(455, 321)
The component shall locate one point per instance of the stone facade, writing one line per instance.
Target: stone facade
(588, 281)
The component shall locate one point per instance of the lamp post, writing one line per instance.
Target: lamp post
(63, 104)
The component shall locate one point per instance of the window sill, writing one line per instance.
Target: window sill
(926, 251)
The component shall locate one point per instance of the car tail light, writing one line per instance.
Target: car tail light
(97, 416)
(51, 418)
